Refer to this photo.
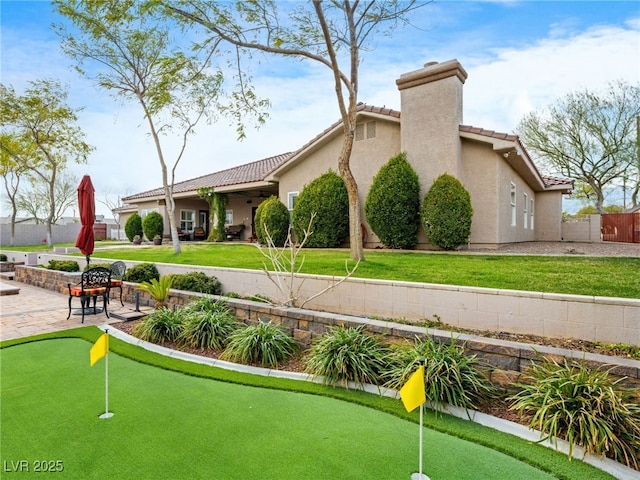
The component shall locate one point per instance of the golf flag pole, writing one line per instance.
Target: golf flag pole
(413, 395)
(101, 349)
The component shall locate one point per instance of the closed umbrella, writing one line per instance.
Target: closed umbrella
(87, 207)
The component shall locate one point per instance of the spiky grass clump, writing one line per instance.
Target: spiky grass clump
(347, 354)
(450, 376)
(265, 344)
(208, 325)
(583, 406)
(163, 325)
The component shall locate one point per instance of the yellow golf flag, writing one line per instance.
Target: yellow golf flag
(99, 349)
(412, 393)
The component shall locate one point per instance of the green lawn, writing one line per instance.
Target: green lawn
(175, 420)
(597, 276)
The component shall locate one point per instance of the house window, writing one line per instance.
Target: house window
(144, 213)
(513, 204)
(371, 129)
(525, 212)
(228, 218)
(531, 214)
(291, 200)
(359, 132)
(187, 220)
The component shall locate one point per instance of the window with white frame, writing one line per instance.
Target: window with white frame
(145, 212)
(531, 214)
(228, 217)
(525, 211)
(291, 200)
(187, 220)
(513, 204)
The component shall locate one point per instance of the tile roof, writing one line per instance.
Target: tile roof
(249, 172)
(488, 133)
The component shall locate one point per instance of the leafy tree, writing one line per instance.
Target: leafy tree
(326, 199)
(12, 173)
(393, 204)
(47, 136)
(331, 33)
(272, 219)
(133, 226)
(152, 225)
(136, 58)
(590, 136)
(217, 211)
(446, 213)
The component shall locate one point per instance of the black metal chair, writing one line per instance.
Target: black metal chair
(93, 283)
(117, 274)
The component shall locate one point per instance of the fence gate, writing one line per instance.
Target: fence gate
(621, 227)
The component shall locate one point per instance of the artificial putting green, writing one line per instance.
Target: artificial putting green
(168, 425)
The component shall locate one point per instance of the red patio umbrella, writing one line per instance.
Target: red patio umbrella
(87, 207)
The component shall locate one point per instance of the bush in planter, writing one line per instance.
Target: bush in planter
(153, 225)
(133, 226)
(197, 282)
(209, 324)
(3, 257)
(264, 343)
(63, 265)
(163, 325)
(142, 272)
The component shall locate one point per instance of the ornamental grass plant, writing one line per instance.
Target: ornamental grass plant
(163, 325)
(583, 406)
(346, 354)
(450, 376)
(265, 343)
(208, 324)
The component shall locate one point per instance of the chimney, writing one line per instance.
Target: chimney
(431, 113)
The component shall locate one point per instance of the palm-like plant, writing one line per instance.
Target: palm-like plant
(157, 289)
(347, 354)
(264, 343)
(450, 376)
(583, 406)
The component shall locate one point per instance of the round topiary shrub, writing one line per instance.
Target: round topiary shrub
(446, 213)
(272, 216)
(152, 225)
(392, 207)
(143, 272)
(133, 226)
(327, 198)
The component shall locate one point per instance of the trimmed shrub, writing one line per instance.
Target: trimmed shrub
(133, 226)
(3, 257)
(327, 198)
(265, 343)
(450, 376)
(152, 225)
(272, 216)
(143, 272)
(347, 354)
(63, 265)
(163, 325)
(446, 213)
(197, 282)
(583, 406)
(392, 206)
(94, 265)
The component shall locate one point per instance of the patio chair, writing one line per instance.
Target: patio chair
(117, 273)
(93, 283)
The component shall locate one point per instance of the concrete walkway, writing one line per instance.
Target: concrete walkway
(35, 310)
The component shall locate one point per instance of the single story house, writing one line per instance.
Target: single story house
(512, 201)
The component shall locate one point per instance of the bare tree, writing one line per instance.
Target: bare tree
(332, 33)
(35, 201)
(12, 172)
(591, 137)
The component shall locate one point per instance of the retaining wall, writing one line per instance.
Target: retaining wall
(507, 359)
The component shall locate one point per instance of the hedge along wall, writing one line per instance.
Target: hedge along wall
(507, 359)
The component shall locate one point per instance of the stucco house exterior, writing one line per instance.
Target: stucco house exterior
(511, 199)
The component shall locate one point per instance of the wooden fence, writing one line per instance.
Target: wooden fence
(621, 227)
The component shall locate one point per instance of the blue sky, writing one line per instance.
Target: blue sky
(520, 56)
